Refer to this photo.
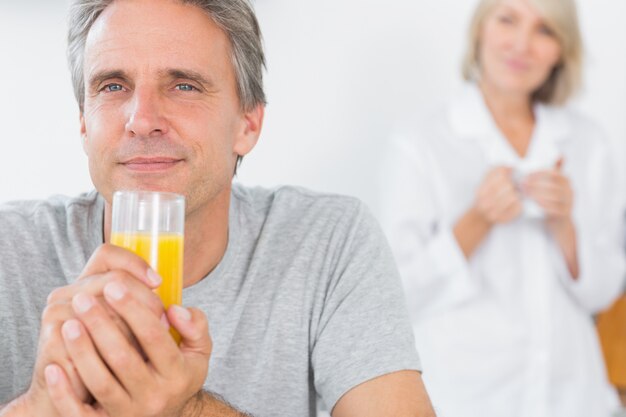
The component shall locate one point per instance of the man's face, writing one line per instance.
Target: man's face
(161, 110)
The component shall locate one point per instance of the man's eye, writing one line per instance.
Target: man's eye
(113, 88)
(185, 87)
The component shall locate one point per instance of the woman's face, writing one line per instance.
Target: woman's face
(517, 49)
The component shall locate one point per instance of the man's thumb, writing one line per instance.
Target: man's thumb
(192, 325)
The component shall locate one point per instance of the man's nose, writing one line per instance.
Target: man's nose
(145, 115)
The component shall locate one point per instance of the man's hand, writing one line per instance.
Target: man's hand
(121, 381)
(108, 263)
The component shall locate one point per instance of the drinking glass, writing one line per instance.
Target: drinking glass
(151, 224)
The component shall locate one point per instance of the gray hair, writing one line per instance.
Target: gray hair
(235, 17)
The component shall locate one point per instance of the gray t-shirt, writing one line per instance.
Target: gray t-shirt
(306, 299)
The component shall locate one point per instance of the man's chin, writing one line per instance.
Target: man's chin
(149, 185)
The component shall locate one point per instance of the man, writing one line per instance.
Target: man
(299, 289)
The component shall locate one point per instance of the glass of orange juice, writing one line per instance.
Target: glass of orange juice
(151, 224)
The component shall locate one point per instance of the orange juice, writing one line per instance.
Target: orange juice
(164, 253)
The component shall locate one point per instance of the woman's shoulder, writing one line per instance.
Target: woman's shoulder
(573, 120)
(577, 130)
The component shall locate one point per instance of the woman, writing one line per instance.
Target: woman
(505, 223)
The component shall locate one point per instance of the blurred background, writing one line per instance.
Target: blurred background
(341, 75)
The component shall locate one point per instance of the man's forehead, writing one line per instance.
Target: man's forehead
(150, 22)
(155, 33)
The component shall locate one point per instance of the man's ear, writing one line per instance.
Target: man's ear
(83, 132)
(252, 122)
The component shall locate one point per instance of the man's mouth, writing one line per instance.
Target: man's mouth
(151, 164)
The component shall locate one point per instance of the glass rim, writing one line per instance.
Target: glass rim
(167, 194)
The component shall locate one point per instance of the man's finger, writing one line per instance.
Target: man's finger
(196, 344)
(51, 346)
(110, 257)
(149, 329)
(63, 397)
(94, 285)
(96, 336)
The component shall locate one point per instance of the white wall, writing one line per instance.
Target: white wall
(340, 74)
(41, 152)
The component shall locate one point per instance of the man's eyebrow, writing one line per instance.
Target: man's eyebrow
(100, 76)
(176, 73)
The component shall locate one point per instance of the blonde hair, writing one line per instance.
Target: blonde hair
(562, 18)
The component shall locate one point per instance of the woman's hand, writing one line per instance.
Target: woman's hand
(553, 192)
(497, 200)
